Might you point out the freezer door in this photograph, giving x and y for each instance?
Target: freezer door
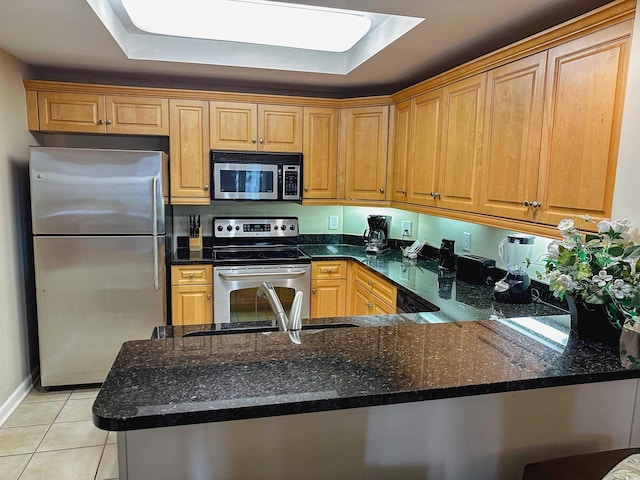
(93, 294)
(96, 192)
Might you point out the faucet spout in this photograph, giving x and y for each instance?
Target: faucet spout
(293, 322)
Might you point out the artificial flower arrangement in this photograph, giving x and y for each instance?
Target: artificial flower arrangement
(600, 268)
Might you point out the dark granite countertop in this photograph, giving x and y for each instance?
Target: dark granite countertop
(196, 379)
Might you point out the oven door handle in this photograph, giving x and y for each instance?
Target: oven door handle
(264, 275)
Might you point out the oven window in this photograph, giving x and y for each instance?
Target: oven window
(246, 307)
(246, 181)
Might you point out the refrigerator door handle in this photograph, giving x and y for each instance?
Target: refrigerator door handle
(154, 199)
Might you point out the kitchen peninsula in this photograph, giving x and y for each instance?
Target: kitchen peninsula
(410, 396)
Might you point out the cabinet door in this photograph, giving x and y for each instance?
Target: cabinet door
(189, 147)
(512, 139)
(320, 153)
(137, 115)
(191, 304)
(583, 111)
(400, 150)
(359, 300)
(234, 126)
(279, 128)
(71, 112)
(461, 143)
(328, 298)
(426, 133)
(381, 308)
(366, 132)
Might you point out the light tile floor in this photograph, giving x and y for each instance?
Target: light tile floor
(51, 436)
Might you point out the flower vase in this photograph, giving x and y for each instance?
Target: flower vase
(590, 321)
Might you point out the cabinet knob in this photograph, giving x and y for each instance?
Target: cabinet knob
(191, 275)
(381, 190)
(206, 187)
(306, 189)
(434, 194)
(100, 122)
(404, 192)
(329, 270)
(313, 290)
(208, 296)
(261, 140)
(253, 140)
(109, 122)
(536, 204)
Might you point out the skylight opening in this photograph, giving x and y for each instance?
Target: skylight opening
(252, 21)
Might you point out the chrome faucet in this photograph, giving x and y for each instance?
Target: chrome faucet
(292, 323)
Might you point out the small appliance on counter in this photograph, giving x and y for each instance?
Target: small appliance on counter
(475, 269)
(515, 287)
(446, 255)
(376, 237)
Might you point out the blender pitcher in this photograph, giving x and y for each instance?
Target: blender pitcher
(515, 287)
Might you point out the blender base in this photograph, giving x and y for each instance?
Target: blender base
(513, 289)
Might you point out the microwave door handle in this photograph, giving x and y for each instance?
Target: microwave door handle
(233, 276)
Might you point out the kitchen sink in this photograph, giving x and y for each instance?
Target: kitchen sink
(258, 329)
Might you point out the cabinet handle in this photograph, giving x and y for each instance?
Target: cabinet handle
(536, 204)
(191, 275)
(434, 194)
(253, 140)
(404, 192)
(206, 187)
(261, 140)
(306, 188)
(381, 190)
(313, 290)
(109, 122)
(208, 296)
(329, 270)
(100, 122)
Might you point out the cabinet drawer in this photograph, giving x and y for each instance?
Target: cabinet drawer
(191, 274)
(329, 269)
(382, 289)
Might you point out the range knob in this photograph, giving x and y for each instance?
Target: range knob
(229, 228)
(237, 227)
(275, 227)
(219, 228)
(292, 227)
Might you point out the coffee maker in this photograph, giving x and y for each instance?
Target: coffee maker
(515, 287)
(376, 237)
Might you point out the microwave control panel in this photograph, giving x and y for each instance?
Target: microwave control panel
(291, 182)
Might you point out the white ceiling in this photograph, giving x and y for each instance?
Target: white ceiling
(64, 40)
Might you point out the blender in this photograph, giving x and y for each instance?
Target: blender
(515, 287)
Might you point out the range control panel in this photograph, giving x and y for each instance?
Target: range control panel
(258, 227)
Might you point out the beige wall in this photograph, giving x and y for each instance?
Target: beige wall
(626, 195)
(16, 301)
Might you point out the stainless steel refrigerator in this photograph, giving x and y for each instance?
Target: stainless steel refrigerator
(99, 250)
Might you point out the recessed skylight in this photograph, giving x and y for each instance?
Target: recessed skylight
(202, 31)
(252, 21)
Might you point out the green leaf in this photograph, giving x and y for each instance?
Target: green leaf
(616, 250)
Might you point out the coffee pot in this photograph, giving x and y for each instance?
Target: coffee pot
(376, 237)
(447, 255)
(515, 287)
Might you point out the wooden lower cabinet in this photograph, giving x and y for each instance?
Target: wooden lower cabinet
(328, 289)
(191, 294)
(369, 293)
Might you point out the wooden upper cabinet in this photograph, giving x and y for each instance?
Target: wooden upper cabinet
(71, 112)
(189, 147)
(399, 151)
(426, 133)
(142, 116)
(513, 119)
(248, 126)
(320, 153)
(461, 154)
(581, 128)
(89, 113)
(366, 137)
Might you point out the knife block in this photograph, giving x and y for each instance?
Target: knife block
(195, 243)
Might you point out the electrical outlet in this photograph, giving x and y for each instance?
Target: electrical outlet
(406, 228)
(333, 222)
(466, 242)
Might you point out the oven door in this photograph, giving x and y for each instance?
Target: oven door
(235, 288)
(245, 181)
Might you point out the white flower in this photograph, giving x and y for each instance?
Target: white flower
(631, 237)
(602, 278)
(567, 228)
(553, 249)
(603, 226)
(566, 282)
(620, 288)
(621, 225)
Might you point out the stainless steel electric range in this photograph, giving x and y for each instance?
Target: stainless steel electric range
(248, 251)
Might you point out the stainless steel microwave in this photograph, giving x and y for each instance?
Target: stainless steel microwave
(256, 176)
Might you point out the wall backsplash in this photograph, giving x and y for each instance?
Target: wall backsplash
(353, 221)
